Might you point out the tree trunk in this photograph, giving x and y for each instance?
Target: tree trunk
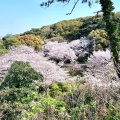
(112, 30)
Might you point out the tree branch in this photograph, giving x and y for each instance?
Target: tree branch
(73, 7)
(97, 13)
(67, 3)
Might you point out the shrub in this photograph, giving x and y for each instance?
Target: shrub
(35, 31)
(75, 73)
(31, 40)
(59, 39)
(2, 48)
(1, 42)
(57, 89)
(11, 41)
(3, 51)
(18, 90)
(101, 39)
(21, 75)
(82, 59)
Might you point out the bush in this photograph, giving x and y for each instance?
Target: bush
(11, 41)
(57, 89)
(1, 42)
(75, 73)
(21, 75)
(2, 48)
(18, 90)
(31, 40)
(59, 39)
(101, 39)
(3, 51)
(82, 59)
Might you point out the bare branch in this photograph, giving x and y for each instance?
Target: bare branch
(97, 13)
(73, 7)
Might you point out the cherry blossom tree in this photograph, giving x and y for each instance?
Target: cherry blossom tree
(111, 23)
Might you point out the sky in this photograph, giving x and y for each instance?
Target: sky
(18, 16)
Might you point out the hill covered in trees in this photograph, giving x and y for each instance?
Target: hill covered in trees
(71, 29)
(68, 30)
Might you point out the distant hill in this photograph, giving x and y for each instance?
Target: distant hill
(70, 29)
(8, 34)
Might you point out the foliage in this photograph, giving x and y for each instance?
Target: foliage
(35, 31)
(3, 50)
(112, 28)
(53, 39)
(82, 59)
(46, 107)
(57, 89)
(21, 75)
(31, 40)
(71, 29)
(82, 102)
(1, 42)
(18, 90)
(85, 103)
(11, 41)
(68, 29)
(48, 101)
(101, 39)
(75, 73)
(74, 29)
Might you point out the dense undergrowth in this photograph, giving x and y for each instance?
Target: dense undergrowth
(23, 99)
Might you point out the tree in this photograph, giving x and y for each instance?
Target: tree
(31, 40)
(111, 24)
(112, 30)
(3, 50)
(101, 39)
(11, 41)
(18, 90)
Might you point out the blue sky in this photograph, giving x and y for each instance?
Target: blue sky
(18, 16)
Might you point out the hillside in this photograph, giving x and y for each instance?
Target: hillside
(71, 29)
(64, 31)
(62, 71)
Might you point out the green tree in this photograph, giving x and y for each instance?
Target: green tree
(35, 31)
(11, 41)
(18, 90)
(1, 42)
(101, 39)
(111, 24)
(112, 30)
(3, 50)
